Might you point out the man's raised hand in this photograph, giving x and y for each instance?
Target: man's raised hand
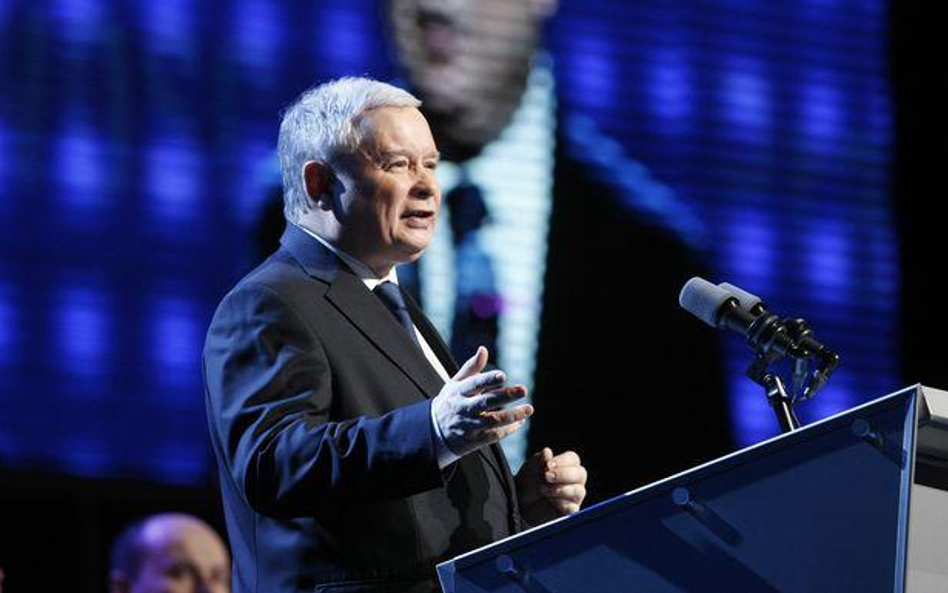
(469, 409)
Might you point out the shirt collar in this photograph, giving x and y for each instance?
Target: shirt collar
(364, 272)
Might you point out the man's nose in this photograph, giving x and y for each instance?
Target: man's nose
(426, 185)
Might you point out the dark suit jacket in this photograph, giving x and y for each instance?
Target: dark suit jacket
(319, 411)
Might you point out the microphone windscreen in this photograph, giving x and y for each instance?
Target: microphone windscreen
(748, 300)
(703, 299)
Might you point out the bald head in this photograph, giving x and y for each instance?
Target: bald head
(170, 553)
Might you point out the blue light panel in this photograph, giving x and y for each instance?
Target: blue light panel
(83, 329)
(79, 21)
(89, 456)
(343, 38)
(821, 118)
(251, 185)
(9, 342)
(174, 178)
(176, 335)
(746, 100)
(7, 200)
(591, 71)
(749, 238)
(178, 463)
(670, 85)
(170, 27)
(258, 29)
(81, 171)
(828, 262)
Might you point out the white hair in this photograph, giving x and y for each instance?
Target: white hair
(321, 124)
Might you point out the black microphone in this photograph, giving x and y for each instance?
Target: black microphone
(797, 328)
(720, 308)
(726, 305)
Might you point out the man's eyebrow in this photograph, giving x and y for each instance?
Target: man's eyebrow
(387, 154)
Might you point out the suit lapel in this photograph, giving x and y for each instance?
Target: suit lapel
(350, 296)
(360, 307)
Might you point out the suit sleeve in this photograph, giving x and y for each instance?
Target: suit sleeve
(269, 394)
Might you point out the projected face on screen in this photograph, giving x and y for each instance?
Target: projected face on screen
(469, 60)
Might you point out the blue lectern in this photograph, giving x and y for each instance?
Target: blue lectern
(853, 503)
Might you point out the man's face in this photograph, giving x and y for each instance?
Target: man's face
(468, 60)
(389, 207)
(183, 557)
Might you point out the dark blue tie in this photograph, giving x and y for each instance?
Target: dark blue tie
(391, 295)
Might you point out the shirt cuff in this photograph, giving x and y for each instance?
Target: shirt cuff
(445, 456)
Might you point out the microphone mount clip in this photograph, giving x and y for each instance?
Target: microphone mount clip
(774, 339)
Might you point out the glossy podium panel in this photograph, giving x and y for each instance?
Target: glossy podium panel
(823, 509)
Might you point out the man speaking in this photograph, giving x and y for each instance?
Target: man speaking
(354, 454)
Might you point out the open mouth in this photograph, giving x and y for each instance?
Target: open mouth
(417, 214)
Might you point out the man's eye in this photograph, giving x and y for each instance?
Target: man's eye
(399, 164)
(179, 571)
(432, 165)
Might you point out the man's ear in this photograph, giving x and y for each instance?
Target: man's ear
(318, 179)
